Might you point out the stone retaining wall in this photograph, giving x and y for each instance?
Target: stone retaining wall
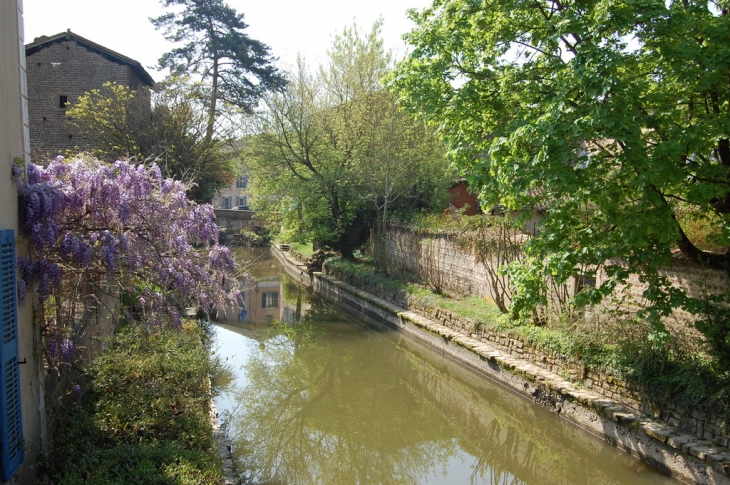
(704, 426)
(459, 269)
(684, 456)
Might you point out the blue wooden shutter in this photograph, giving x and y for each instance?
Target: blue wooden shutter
(11, 426)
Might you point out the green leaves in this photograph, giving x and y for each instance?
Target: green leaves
(145, 417)
(609, 115)
(344, 154)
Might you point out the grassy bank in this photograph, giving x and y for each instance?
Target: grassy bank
(144, 415)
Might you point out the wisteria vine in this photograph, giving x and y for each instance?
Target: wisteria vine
(87, 222)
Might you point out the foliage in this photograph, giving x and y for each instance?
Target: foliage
(703, 229)
(608, 114)
(714, 324)
(342, 153)
(113, 118)
(235, 68)
(118, 122)
(145, 417)
(96, 232)
(305, 249)
(362, 274)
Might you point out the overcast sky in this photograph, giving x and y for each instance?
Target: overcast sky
(287, 26)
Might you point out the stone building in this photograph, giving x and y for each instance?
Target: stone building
(235, 197)
(61, 68)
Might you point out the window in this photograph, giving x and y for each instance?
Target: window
(226, 202)
(270, 299)
(241, 202)
(242, 182)
(63, 101)
(11, 424)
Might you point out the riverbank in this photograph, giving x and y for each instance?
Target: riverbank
(684, 456)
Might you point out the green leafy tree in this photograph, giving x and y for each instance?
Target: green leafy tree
(403, 165)
(118, 123)
(235, 68)
(340, 149)
(111, 119)
(614, 115)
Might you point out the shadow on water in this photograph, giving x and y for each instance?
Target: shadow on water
(322, 398)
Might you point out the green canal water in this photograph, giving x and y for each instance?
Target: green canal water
(316, 396)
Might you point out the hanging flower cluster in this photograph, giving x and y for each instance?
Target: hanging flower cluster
(122, 222)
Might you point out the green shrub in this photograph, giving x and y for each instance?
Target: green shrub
(145, 417)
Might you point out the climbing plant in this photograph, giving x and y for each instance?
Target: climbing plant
(117, 242)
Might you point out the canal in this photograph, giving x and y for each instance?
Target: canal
(316, 396)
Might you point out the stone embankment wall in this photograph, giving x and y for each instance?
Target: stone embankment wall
(554, 381)
(701, 425)
(682, 455)
(458, 269)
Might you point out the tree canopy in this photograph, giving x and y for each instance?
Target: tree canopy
(236, 68)
(337, 150)
(614, 116)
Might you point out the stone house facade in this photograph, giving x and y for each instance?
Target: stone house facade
(61, 68)
(235, 197)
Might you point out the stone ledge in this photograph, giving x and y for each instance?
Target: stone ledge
(661, 433)
(224, 449)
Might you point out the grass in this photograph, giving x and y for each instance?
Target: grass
(305, 249)
(144, 417)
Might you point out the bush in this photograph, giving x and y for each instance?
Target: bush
(145, 417)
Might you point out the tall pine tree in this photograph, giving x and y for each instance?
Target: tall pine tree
(236, 68)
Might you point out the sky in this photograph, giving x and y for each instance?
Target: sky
(287, 26)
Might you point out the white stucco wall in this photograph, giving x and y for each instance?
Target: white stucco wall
(14, 143)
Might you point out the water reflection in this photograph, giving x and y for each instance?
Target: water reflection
(323, 400)
(270, 298)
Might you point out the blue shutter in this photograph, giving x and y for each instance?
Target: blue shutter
(11, 426)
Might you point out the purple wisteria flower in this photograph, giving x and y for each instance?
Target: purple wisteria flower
(61, 349)
(121, 225)
(77, 393)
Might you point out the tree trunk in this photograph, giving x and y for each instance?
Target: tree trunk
(214, 85)
(213, 103)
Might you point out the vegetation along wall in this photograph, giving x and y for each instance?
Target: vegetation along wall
(456, 268)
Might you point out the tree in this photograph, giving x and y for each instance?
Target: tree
(615, 116)
(234, 67)
(339, 147)
(118, 122)
(111, 120)
(403, 165)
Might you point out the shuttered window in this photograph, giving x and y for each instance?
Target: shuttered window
(11, 429)
(270, 299)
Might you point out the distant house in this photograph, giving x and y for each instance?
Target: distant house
(460, 197)
(61, 68)
(235, 197)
